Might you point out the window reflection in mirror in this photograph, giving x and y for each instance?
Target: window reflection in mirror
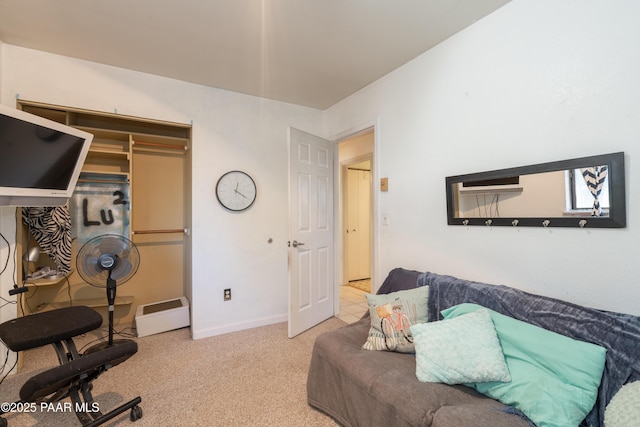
(582, 197)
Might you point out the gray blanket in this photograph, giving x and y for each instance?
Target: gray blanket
(363, 388)
(618, 333)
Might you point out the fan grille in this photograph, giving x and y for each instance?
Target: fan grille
(91, 264)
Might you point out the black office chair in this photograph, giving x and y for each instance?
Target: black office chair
(73, 377)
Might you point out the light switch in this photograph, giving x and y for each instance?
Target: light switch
(384, 184)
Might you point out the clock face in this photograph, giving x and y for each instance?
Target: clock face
(236, 191)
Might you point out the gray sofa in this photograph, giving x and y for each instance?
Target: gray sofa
(357, 387)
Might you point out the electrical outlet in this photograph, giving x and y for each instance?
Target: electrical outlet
(227, 294)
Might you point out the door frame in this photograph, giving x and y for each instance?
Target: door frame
(339, 268)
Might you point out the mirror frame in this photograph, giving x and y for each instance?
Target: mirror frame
(617, 207)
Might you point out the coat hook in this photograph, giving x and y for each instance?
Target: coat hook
(582, 223)
(515, 222)
(546, 223)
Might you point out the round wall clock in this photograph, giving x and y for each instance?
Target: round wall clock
(236, 191)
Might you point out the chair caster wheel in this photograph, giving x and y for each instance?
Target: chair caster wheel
(136, 413)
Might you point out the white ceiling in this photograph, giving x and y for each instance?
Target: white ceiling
(306, 52)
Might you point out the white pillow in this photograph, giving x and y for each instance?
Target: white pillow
(462, 350)
(624, 409)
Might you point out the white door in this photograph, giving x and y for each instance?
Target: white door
(358, 230)
(311, 277)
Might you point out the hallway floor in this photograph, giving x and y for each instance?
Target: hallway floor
(353, 304)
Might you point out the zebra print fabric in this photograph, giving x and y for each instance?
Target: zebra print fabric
(51, 227)
(594, 177)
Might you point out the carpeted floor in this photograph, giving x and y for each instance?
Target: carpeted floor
(255, 377)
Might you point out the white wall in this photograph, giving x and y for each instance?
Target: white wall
(7, 228)
(7, 263)
(230, 131)
(536, 81)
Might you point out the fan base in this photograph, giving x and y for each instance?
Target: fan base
(102, 345)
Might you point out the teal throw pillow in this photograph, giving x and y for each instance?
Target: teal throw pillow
(461, 350)
(392, 316)
(554, 378)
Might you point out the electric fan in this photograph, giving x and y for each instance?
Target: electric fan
(108, 261)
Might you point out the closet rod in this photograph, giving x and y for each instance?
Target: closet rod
(176, 230)
(157, 144)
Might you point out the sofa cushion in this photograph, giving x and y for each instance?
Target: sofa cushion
(380, 388)
(624, 408)
(459, 350)
(555, 379)
(391, 318)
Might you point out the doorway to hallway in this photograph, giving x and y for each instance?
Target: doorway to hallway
(356, 209)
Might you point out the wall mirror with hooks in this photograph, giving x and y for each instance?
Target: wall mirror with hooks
(587, 192)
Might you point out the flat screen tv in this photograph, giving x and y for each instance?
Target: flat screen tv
(40, 160)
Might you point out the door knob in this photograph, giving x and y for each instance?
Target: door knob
(295, 244)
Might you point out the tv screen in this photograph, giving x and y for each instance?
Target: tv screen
(512, 180)
(40, 160)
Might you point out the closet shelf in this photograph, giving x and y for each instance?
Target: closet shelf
(89, 302)
(101, 152)
(48, 281)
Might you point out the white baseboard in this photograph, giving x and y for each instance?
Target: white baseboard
(240, 326)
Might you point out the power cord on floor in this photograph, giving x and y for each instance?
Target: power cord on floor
(4, 365)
